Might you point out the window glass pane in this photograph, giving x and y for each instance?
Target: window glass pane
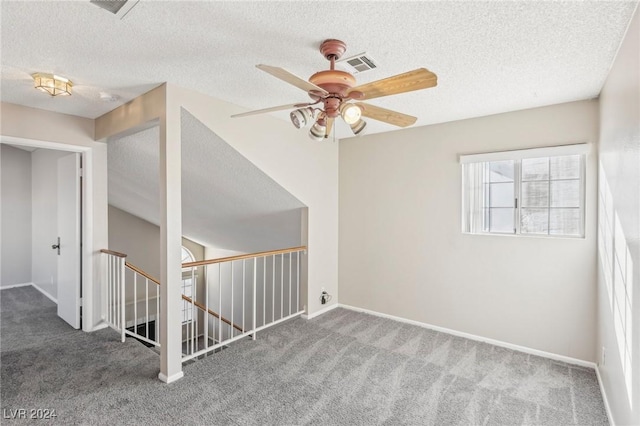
(186, 256)
(501, 171)
(501, 195)
(534, 221)
(565, 167)
(535, 169)
(486, 220)
(564, 222)
(550, 191)
(565, 193)
(485, 195)
(535, 194)
(501, 221)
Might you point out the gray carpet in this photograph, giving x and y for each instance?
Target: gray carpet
(342, 368)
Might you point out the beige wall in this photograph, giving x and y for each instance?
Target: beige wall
(140, 240)
(402, 251)
(619, 232)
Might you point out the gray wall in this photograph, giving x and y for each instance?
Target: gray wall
(619, 232)
(16, 215)
(402, 251)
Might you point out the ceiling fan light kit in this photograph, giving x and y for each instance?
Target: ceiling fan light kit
(52, 84)
(334, 89)
(358, 127)
(301, 117)
(350, 113)
(318, 130)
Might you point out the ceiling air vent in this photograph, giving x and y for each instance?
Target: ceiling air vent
(112, 6)
(357, 64)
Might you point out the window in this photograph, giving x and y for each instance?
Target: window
(188, 277)
(526, 192)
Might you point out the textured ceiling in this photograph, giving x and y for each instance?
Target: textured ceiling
(490, 57)
(227, 201)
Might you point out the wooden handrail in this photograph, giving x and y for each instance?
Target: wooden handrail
(137, 270)
(113, 253)
(215, 314)
(242, 256)
(188, 299)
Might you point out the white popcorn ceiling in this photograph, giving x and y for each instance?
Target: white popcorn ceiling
(490, 57)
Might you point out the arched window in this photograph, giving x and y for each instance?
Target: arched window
(188, 277)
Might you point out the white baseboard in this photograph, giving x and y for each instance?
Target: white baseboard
(172, 378)
(7, 287)
(470, 336)
(34, 285)
(320, 312)
(53, 299)
(607, 407)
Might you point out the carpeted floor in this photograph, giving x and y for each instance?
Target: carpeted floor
(342, 368)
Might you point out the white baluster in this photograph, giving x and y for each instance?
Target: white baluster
(232, 285)
(146, 303)
(253, 327)
(205, 270)
(289, 283)
(123, 324)
(243, 301)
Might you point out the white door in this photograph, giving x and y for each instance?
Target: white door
(69, 252)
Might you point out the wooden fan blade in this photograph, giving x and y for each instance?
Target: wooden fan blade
(418, 79)
(327, 131)
(265, 110)
(386, 115)
(290, 78)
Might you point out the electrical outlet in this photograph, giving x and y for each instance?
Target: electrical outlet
(603, 358)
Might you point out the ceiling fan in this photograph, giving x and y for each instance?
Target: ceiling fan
(335, 90)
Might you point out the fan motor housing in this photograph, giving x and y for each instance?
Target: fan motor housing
(334, 81)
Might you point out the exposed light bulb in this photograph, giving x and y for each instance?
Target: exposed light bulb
(351, 113)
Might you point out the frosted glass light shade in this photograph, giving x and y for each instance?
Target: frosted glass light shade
(52, 84)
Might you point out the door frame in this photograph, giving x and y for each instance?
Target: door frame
(88, 250)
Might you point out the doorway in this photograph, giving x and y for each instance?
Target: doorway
(42, 223)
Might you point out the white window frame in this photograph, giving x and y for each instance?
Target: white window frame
(186, 312)
(517, 156)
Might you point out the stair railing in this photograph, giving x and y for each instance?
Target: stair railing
(114, 309)
(254, 291)
(251, 293)
(132, 299)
